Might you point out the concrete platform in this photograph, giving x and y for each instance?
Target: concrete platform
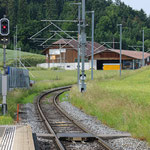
(16, 138)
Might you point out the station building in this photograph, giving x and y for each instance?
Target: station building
(63, 53)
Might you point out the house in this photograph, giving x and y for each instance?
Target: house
(64, 53)
(130, 59)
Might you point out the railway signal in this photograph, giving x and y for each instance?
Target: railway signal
(4, 27)
(4, 32)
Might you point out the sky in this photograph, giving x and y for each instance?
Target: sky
(138, 4)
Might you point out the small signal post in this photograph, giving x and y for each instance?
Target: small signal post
(4, 32)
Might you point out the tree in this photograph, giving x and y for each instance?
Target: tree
(23, 14)
(51, 9)
(12, 12)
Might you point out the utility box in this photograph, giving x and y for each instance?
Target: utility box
(4, 85)
(113, 66)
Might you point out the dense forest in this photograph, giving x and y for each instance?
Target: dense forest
(27, 15)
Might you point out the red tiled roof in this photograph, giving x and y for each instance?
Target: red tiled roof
(133, 54)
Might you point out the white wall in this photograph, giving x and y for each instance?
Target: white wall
(66, 66)
(94, 64)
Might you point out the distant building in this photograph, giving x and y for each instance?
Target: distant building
(130, 59)
(63, 53)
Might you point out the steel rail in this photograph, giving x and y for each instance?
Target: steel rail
(61, 147)
(106, 145)
(66, 88)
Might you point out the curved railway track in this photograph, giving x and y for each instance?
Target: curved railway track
(66, 132)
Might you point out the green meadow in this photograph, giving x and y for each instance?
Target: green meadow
(28, 59)
(44, 79)
(122, 103)
(11, 54)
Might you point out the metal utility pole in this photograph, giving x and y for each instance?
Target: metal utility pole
(92, 51)
(92, 45)
(14, 48)
(83, 44)
(4, 32)
(79, 19)
(120, 47)
(143, 63)
(4, 59)
(19, 56)
(113, 43)
(4, 81)
(79, 29)
(15, 44)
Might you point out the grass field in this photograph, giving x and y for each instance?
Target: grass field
(26, 58)
(46, 79)
(11, 54)
(122, 103)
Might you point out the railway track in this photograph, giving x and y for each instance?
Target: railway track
(66, 132)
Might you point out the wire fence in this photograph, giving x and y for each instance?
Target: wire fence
(17, 78)
(0, 83)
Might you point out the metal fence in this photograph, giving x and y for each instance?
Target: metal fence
(0, 83)
(17, 78)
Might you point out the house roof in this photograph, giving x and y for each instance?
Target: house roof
(74, 44)
(98, 48)
(133, 54)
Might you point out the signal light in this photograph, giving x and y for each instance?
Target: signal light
(4, 26)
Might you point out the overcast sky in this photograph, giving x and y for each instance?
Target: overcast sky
(138, 4)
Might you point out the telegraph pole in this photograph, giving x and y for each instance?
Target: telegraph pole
(143, 63)
(83, 44)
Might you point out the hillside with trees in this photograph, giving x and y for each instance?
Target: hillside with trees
(27, 15)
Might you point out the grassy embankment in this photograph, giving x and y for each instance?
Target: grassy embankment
(121, 103)
(29, 59)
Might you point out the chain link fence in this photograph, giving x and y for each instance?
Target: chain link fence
(17, 78)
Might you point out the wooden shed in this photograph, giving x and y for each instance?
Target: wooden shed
(130, 59)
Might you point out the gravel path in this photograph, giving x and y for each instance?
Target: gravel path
(31, 117)
(98, 128)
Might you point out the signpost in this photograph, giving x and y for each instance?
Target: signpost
(4, 32)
